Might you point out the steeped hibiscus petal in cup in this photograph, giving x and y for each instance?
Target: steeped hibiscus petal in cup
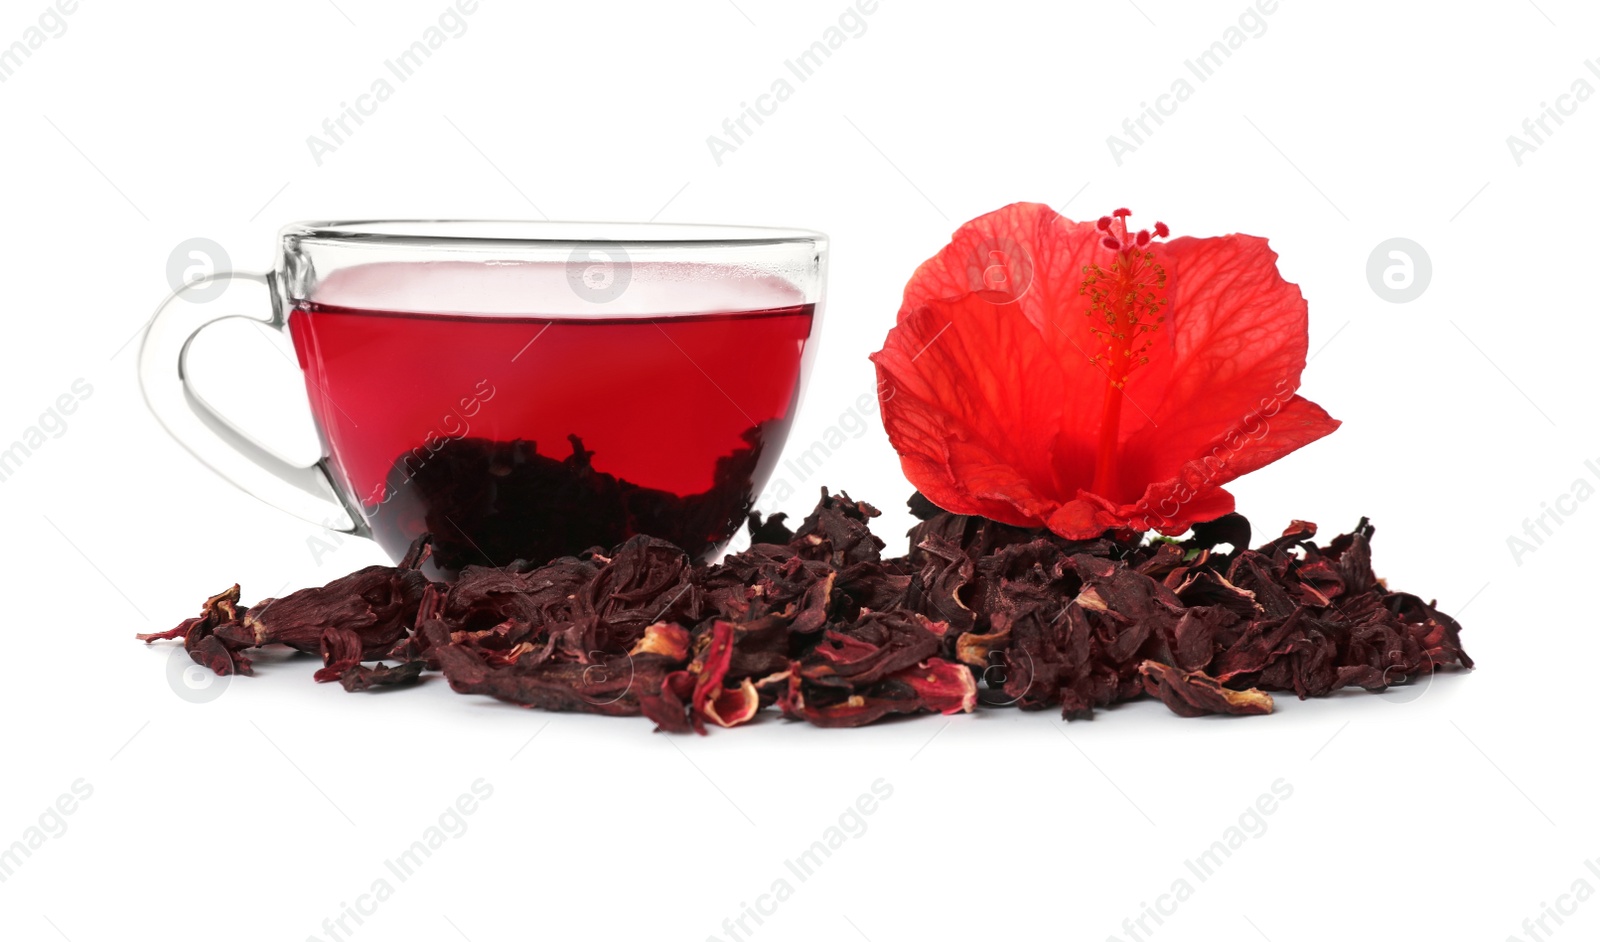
(1085, 377)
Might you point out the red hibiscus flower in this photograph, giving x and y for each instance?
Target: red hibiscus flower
(1083, 377)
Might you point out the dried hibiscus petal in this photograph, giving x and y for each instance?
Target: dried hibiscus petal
(664, 638)
(211, 652)
(709, 667)
(667, 703)
(731, 706)
(362, 677)
(341, 650)
(1194, 693)
(377, 603)
(611, 685)
(942, 686)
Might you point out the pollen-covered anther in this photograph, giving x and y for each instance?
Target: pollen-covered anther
(1128, 295)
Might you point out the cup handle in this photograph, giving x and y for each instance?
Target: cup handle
(306, 492)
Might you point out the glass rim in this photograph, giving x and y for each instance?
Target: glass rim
(543, 232)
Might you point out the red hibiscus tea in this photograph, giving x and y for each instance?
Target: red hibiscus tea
(534, 435)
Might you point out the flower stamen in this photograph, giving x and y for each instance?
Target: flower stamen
(1127, 304)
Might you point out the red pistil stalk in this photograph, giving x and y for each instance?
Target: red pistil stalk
(1128, 299)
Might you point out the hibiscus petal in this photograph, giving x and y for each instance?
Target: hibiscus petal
(970, 399)
(1237, 344)
(1084, 518)
(1173, 505)
(1025, 253)
(1194, 494)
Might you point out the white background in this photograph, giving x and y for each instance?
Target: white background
(1454, 814)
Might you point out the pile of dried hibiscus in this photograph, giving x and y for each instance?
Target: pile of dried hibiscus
(817, 622)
